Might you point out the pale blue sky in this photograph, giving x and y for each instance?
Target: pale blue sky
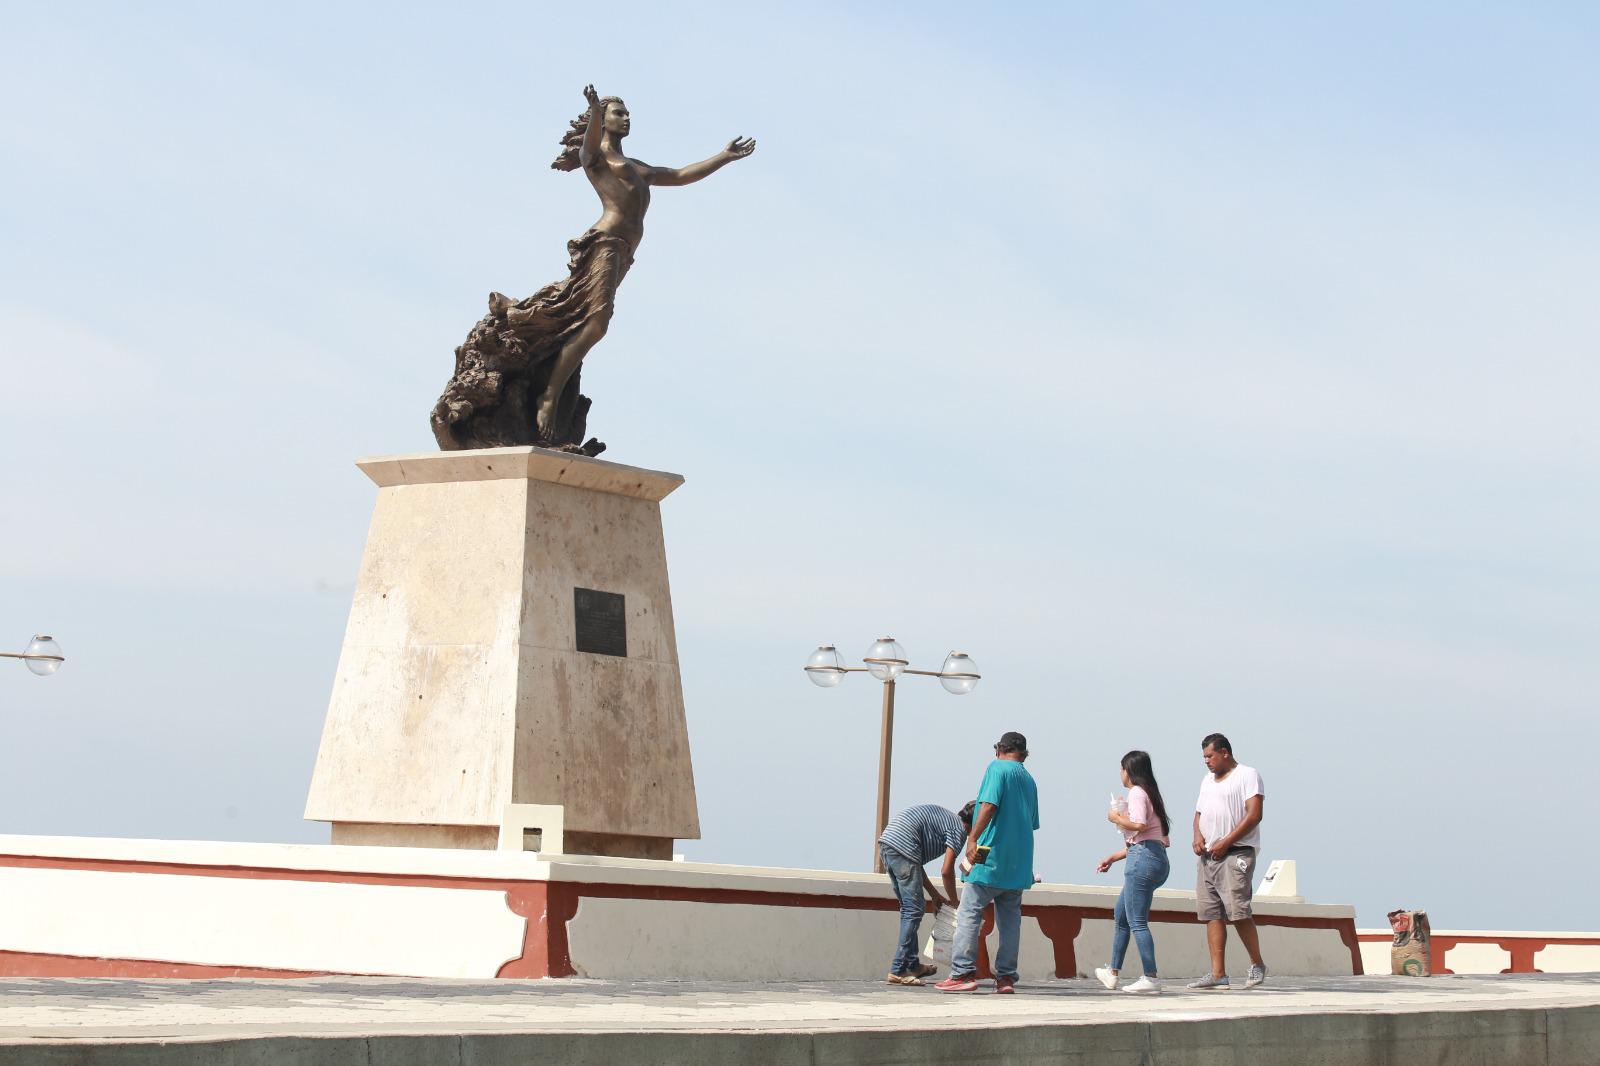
(1193, 367)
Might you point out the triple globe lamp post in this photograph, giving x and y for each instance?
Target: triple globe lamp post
(886, 661)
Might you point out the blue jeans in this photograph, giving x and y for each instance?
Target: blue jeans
(1146, 871)
(906, 876)
(975, 899)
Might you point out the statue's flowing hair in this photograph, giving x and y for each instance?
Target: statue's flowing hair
(568, 159)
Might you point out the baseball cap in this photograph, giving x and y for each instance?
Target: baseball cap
(1011, 741)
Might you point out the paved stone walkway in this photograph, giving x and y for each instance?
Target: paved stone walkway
(109, 1010)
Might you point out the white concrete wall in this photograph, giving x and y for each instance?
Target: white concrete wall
(633, 938)
(272, 924)
(1569, 958)
(1374, 957)
(623, 938)
(271, 919)
(1181, 950)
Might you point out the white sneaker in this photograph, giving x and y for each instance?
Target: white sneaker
(1144, 984)
(1107, 977)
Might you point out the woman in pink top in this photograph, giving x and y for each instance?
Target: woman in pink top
(1144, 830)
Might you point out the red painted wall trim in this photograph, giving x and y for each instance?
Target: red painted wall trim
(1062, 926)
(548, 907)
(1522, 949)
(1347, 933)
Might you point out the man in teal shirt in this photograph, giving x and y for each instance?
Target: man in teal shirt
(1002, 834)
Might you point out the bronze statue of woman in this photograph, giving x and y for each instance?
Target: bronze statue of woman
(516, 376)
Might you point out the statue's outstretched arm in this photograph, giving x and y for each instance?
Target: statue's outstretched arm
(738, 148)
(589, 150)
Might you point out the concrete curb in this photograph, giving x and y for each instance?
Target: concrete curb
(1556, 1036)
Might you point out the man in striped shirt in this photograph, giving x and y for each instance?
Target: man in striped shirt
(912, 839)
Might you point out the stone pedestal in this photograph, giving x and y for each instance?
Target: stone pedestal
(511, 641)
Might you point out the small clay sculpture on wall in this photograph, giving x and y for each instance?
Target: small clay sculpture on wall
(516, 376)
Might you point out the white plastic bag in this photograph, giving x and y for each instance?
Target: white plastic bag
(944, 933)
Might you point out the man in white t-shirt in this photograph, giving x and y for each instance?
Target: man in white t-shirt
(1227, 835)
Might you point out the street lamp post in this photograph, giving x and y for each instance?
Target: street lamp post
(43, 655)
(886, 661)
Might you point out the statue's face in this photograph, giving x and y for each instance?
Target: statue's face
(617, 121)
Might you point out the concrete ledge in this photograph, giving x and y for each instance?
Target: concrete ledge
(1553, 1037)
(1479, 1021)
(574, 869)
(1461, 1038)
(532, 464)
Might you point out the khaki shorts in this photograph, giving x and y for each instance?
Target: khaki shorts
(1222, 890)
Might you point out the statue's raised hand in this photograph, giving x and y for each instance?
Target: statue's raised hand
(740, 147)
(590, 95)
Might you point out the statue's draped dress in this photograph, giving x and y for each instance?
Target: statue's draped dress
(504, 365)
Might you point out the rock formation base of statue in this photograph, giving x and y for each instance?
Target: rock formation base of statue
(502, 369)
(510, 642)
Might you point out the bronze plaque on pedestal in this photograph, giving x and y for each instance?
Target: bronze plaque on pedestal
(602, 622)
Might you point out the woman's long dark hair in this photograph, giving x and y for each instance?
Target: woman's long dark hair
(1137, 764)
